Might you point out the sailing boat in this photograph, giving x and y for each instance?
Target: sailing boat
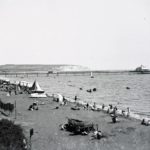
(92, 75)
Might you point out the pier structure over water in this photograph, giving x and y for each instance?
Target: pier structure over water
(50, 73)
(24, 74)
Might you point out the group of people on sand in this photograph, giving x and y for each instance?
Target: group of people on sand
(15, 89)
(90, 90)
(145, 122)
(110, 109)
(33, 106)
(113, 111)
(82, 128)
(60, 99)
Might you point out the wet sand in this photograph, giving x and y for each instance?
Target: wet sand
(128, 134)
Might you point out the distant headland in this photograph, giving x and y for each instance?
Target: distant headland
(41, 68)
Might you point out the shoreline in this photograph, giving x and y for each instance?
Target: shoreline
(106, 108)
(83, 103)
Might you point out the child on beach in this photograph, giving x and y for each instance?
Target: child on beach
(145, 122)
(87, 106)
(75, 98)
(94, 105)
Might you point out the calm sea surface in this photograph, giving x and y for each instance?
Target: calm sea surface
(111, 89)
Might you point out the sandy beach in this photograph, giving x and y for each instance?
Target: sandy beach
(127, 134)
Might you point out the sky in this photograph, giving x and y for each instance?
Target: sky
(99, 34)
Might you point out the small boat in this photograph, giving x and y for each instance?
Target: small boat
(78, 126)
(92, 75)
(38, 95)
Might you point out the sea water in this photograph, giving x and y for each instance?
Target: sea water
(111, 89)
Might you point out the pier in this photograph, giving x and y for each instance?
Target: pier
(49, 73)
(24, 74)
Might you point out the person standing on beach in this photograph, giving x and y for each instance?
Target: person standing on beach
(87, 106)
(9, 92)
(64, 100)
(75, 98)
(31, 132)
(94, 105)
